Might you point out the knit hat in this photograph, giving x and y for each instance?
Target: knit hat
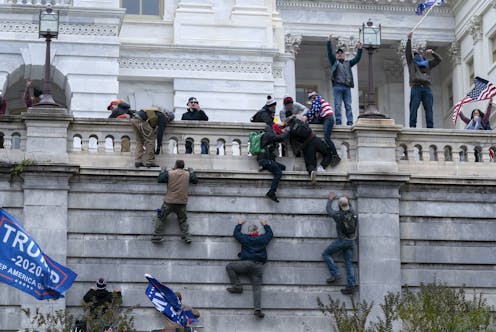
(311, 94)
(252, 228)
(270, 101)
(343, 203)
(288, 100)
(170, 115)
(100, 284)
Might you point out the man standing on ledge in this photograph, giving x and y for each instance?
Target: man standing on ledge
(253, 256)
(419, 69)
(175, 200)
(342, 79)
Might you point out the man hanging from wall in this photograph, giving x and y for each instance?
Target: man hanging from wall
(149, 124)
(346, 228)
(253, 256)
(175, 200)
(342, 79)
(419, 69)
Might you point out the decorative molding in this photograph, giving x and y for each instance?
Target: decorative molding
(454, 53)
(475, 28)
(40, 3)
(277, 72)
(292, 43)
(66, 29)
(196, 65)
(396, 6)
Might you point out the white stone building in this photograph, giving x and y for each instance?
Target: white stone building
(231, 54)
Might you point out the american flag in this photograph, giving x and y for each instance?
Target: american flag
(483, 89)
(426, 4)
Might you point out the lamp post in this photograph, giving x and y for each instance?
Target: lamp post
(370, 36)
(48, 28)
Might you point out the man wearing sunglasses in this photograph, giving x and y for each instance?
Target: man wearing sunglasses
(194, 112)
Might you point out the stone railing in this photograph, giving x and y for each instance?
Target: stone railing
(57, 3)
(224, 146)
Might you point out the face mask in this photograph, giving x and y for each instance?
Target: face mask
(476, 118)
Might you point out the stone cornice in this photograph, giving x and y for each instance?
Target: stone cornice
(396, 6)
(195, 65)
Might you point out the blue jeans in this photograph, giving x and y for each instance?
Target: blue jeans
(275, 168)
(347, 247)
(421, 94)
(328, 123)
(342, 93)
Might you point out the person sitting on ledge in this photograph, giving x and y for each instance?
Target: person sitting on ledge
(37, 95)
(266, 114)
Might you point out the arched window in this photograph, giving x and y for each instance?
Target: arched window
(16, 141)
(109, 144)
(221, 147)
(77, 143)
(448, 153)
(125, 144)
(205, 145)
(417, 152)
(433, 153)
(93, 143)
(236, 147)
(463, 153)
(403, 152)
(189, 145)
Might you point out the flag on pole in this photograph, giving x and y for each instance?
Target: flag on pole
(166, 301)
(427, 4)
(483, 89)
(23, 264)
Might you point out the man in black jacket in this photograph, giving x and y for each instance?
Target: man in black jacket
(99, 297)
(194, 111)
(267, 159)
(266, 114)
(253, 256)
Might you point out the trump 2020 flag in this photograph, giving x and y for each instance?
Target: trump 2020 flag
(23, 264)
(427, 4)
(483, 89)
(167, 302)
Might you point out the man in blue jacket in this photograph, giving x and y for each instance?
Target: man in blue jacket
(253, 256)
(342, 79)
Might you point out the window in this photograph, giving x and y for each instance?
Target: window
(492, 40)
(143, 7)
(470, 71)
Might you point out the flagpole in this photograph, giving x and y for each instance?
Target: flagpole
(423, 18)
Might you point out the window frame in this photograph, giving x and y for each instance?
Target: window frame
(142, 16)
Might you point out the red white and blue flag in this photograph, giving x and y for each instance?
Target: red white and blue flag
(427, 4)
(25, 266)
(483, 89)
(166, 301)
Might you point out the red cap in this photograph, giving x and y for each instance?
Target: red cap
(288, 100)
(112, 103)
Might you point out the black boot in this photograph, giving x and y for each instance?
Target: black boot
(272, 195)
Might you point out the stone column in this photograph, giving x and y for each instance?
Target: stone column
(377, 185)
(46, 130)
(292, 46)
(45, 189)
(479, 60)
(457, 78)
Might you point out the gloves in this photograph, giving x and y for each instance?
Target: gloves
(157, 151)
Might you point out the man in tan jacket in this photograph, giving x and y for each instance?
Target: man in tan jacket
(175, 200)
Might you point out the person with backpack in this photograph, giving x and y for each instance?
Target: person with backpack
(149, 124)
(304, 140)
(266, 114)
(346, 228)
(267, 157)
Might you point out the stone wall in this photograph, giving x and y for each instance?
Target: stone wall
(425, 215)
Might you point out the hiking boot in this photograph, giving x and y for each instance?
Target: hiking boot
(320, 169)
(157, 239)
(348, 290)
(235, 290)
(333, 279)
(335, 160)
(152, 165)
(138, 164)
(259, 313)
(313, 175)
(272, 195)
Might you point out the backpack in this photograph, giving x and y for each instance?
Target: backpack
(349, 222)
(255, 139)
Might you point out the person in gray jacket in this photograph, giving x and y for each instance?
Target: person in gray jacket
(420, 81)
(292, 106)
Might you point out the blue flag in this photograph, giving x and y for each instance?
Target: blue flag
(24, 266)
(166, 301)
(426, 4)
